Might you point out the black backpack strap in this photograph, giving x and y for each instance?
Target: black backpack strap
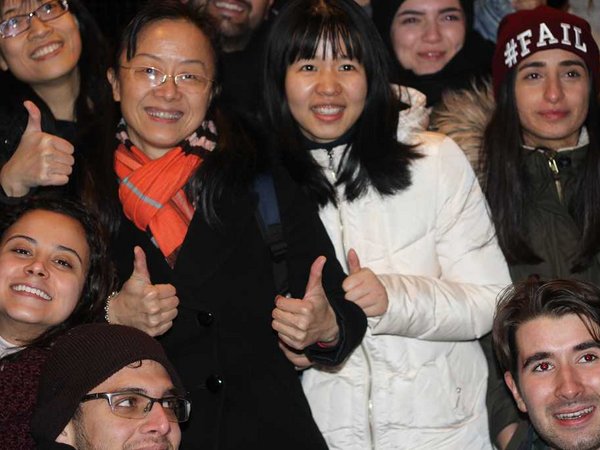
(269, 221)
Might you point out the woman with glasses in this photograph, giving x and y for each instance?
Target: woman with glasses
(54, 274)
(408, 221)
(190, 223)
(56, 103)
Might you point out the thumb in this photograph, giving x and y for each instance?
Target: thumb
(316, 276)
(34, 122)
(353, 261)
(140, 268)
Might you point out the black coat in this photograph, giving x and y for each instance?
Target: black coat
(244, 392)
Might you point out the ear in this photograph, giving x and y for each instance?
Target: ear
(512, 385)
(67, 436)
(113, 79)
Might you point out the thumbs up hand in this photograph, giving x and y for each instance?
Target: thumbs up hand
(364, 288)
(41, 159)
(143, 305)
(302, 322)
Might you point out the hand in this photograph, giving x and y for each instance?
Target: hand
(41, 159)
(302, 322)
(364, 288)
(143, 305)
(299, 360)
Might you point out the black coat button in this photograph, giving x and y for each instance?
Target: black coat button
(214, 383)
(206, 318)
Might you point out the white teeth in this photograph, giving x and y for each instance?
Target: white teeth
(328, 110)
(575, 415)
(41, 52)
(30, 290)
(165, 115)
(229, 6)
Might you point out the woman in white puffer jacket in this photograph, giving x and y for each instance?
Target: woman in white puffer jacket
(426, 268)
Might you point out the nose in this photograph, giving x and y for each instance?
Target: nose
(38, 29)
(432, 32)
(36, 268)
(553, 89)
(168, 90)
(328, 83)
(568, 383)
(157, 421)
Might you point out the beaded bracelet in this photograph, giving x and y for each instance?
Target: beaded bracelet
(112, 295)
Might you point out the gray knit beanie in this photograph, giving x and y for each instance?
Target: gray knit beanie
(82, 359)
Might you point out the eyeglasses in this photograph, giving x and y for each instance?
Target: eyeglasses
(154, 77)
(21, 23)
(133, 405)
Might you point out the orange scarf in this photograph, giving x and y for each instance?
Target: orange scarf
(151, 192)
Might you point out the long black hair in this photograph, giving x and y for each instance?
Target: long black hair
(231, 164)
(100, 277)
(506, 185)
(375, 157)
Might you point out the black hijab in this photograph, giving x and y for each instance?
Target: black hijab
(472, 62)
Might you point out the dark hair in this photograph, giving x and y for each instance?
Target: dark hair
(507, 189)
(93, 109)
(375, 157)
(230, 165)
(100, 277)
(534, 298)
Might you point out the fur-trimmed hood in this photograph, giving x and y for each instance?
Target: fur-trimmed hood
(463, 115)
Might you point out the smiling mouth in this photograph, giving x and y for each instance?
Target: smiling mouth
(46, 50)
(327, 110)
(164, 115)
(234, 7)
(30, 290)
(575, 414)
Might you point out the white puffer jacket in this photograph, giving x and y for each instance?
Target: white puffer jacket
(418, 380)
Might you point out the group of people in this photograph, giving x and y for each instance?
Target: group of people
(246, 230)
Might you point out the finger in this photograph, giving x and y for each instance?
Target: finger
(62, 146)
(353, 261)
(292, 340)
(357, 293)
(165, 290)
(293, 305)
(316, 275)
(289, 331)
(284, 317)
(34, 122)
(54, 180)
(140, 268)
(57, 168)
(168, 304)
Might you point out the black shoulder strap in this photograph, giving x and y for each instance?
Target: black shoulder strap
(269, 221)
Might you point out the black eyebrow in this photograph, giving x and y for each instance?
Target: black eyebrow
(565, 63)
(185, 61)
(539, 356)
(586, 345)
(422, 13)
(33, 241)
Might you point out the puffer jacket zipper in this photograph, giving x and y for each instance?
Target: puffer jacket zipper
(551, 157)
(331, 166)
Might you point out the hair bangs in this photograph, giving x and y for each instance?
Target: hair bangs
(329, 36)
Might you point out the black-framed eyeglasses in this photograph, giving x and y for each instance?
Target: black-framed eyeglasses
(154, 77)
(134, 405)
(16, 25)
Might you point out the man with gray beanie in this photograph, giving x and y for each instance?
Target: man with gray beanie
(110, 387)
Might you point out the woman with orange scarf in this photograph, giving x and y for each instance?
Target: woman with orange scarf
(203, 277)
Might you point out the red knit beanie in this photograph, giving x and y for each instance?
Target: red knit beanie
(526, 32)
